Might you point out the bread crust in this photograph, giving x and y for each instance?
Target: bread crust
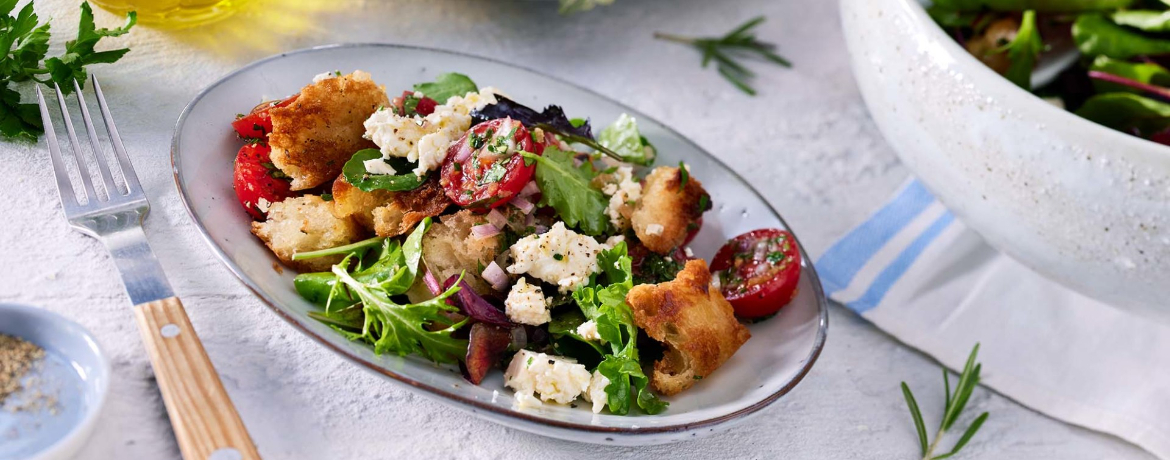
(314, 136)
(695, 324)
(670, 203)
(302, 224)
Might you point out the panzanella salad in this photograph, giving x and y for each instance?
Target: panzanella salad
(1120, 80)
(455, 223)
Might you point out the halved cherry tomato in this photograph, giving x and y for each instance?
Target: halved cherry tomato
(408, 105)
(484, 169)
(758, 271)
(257, 182)
(257, 124)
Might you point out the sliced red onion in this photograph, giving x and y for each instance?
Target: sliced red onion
(497, 218)
(529, 189)
(540, 228)
(484, 231)
(519, 338)
(529, 221)
(496, 276)
(523, 205)
(431, 282)
(475, 306)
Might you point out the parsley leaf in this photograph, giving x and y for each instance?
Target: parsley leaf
(445, 86)
(567, 189)
(80, 53)
(624, 139)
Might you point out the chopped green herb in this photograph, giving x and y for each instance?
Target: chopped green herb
(684, 175)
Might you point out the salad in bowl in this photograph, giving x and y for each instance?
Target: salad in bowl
(454, 223)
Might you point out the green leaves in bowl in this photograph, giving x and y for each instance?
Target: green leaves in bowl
(356, 174)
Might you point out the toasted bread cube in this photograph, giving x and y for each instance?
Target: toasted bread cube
(303, 224)
(313, 137)
(668, 209)
(449, 249)
(695, 324)
(407, 208)
(351, 202)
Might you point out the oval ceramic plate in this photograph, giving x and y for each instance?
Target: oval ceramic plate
(779, 354)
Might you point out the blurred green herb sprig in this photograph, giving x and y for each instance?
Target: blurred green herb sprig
(955, 402)
(725, 51)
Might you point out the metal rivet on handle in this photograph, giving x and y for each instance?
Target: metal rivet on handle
(168, 331)
(226, 453)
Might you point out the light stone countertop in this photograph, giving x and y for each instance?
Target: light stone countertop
(806, 143)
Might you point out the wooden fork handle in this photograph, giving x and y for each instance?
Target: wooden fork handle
(206, 423)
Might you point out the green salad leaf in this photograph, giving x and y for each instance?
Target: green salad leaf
(393, 265)
(1144, 72)
(447, 85)
(604, 302)
(1023, 51)
(1096, 35)
(1127, 112)
(567, 189)
(355, 173)
(1147, 20)
(623, 138)
(1057, 6)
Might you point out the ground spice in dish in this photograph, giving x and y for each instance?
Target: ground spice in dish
(17, 357)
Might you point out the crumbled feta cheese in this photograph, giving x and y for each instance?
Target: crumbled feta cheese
(687, 250)
(555, 378)
(613, 241)
(325, 76)
(526, 304)
(559, 256)
(378, 166)
(263, 204)
(588, 331)
(654, 229)
(596, 391)
(622, 191)
(425, 139)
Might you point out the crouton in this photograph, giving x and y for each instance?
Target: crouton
(669, 209)
(313, 137)
(351, 202)
(303, 224)
(449, 249)
(408, 208)
(696, 325)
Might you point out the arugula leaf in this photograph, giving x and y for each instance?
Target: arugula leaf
(1127, 112)
(1144, 72)
(1023, 51)
(1097, 35)
(445, 86)
(624, 139)
(1147, 20)
(355, 173)
(80, 53)
(564, 324)
(1057, 6)
(567, 189)
(604, 302)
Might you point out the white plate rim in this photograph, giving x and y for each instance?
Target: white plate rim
(807, 266)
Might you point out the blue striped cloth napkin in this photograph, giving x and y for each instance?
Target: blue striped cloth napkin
(916, 272)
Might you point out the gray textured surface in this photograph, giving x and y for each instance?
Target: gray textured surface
(806, 143)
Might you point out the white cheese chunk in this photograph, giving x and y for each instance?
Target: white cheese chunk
(526, 304)
(378, 166)
(554, 378)
(559, 256)
(588, 331)
(654, 229)
(596, 391)
(325, 76)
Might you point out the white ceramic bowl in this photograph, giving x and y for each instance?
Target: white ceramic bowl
(779, 354)
(1078, 202)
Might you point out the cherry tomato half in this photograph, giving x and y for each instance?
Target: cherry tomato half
(484, 169)
(257, 124)
(257, 182)
(758, 271)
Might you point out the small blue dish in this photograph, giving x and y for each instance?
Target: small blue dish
(75, 375)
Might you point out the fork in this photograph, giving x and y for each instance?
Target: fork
(205, 422)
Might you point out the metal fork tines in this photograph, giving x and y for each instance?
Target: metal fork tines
(115, 216)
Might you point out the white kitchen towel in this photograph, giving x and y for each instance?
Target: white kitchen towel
(916, 272)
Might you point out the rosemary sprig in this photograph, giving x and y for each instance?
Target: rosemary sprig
(955, 402)
(740, 42)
